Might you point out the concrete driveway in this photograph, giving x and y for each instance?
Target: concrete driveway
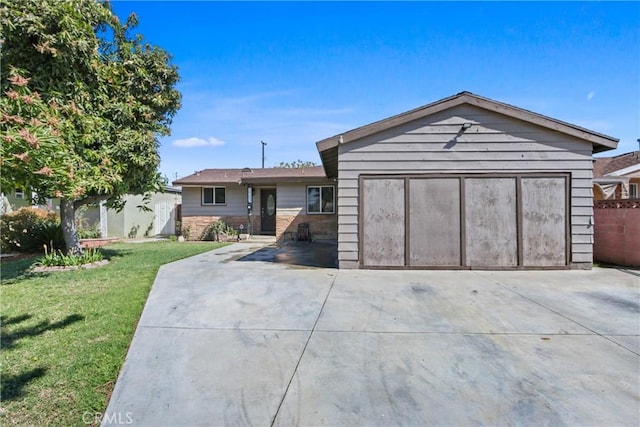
(226, 342)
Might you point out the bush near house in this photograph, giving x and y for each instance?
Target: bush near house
(29, 229)
(89, 233)
(219, 231)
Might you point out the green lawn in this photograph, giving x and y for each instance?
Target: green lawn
(65, 334)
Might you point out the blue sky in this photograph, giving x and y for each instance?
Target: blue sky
(293, 73)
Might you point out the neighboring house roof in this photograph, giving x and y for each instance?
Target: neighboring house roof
(252, 176)
(617, 165)
(170, 189)
(328, 147)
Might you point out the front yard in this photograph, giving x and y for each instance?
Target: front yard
(65, 334)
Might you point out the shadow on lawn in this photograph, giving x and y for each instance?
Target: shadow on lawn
(115, 253)
(14, 271)
(8, 339)
(12, 386)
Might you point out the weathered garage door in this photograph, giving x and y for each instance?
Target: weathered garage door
(464, 221)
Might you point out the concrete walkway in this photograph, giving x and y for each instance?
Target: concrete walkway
(224, 342)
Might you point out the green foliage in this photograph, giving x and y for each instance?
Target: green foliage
(297, 164)
(216, 229)
(83, 102)
(149, 229)
(57, 258)
(133, 233)
(182, 230)
(29, 229)
(89, 233)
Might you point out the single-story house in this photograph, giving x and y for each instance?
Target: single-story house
(270, 201)
(464, 182)
(617, 177)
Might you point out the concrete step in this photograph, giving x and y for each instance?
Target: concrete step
(255, 238)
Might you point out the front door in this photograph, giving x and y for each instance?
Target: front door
(268, 210)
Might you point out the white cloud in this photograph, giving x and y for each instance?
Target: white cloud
(590, 95)
(197, 142)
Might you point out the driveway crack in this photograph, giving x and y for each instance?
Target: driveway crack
(304, 349)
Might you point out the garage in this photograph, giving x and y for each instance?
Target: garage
(464, 221)
(465, 182)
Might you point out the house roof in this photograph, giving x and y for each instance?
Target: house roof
(603, 166)
(252, 176)
(328, 147)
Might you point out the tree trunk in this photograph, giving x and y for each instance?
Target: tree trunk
(67, 220)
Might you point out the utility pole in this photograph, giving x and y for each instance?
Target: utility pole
(263, 144)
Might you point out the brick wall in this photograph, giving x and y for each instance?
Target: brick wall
(198, 224)
(617, 232)
(320, 226)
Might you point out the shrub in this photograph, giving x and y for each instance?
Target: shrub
(57, 258)
(89, 233)
(28, 229)
(216, 229)
(182, 230)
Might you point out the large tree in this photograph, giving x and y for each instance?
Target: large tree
(83, 102)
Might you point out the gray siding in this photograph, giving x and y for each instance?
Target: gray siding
(236, 197)
(292, 197)
(494, 143)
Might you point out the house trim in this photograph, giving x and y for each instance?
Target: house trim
(620, 172)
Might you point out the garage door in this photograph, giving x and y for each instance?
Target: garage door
(464, 221)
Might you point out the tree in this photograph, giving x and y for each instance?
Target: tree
(296, 164)
(83, 105)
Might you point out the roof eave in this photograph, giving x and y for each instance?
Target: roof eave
(275, 181)
(600, 141)
(389, 122)
(610, 180)
(256, 180)
(624, 171)
(207, 183)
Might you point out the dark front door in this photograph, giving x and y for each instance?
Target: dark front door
(268, 211)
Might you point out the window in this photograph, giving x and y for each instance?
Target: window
(214, 196)
(320, 199)
(633, 191)
(19, 193)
